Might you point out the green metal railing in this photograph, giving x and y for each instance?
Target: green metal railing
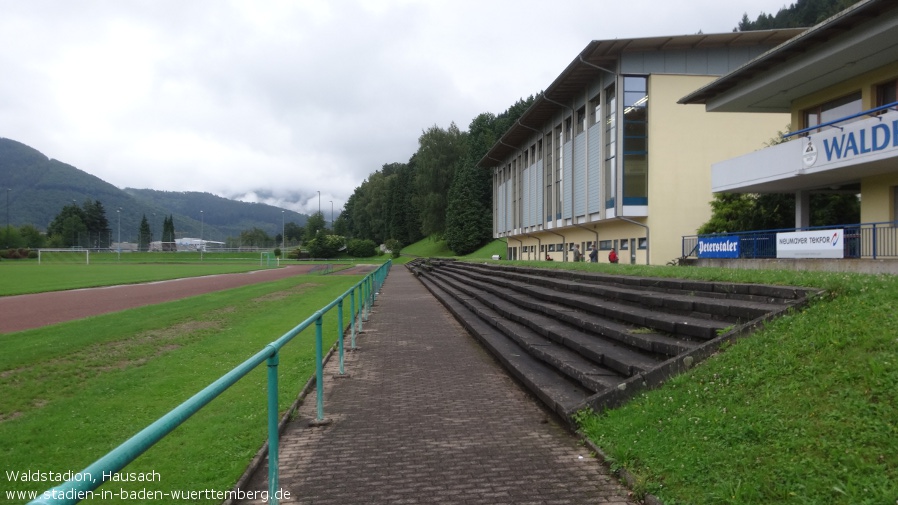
(79, 488)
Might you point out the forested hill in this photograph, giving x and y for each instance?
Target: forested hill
(37, 188)
(229, 216)
(803, 13)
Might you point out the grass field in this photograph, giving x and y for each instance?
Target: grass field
(69, 393)
(27, 276)
(803, 411)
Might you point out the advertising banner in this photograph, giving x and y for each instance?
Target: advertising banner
(724, 246)
(811, 244)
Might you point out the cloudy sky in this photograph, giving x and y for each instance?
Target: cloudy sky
(277, 100)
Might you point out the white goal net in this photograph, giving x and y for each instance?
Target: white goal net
(63, 256)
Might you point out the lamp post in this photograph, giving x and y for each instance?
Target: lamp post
(283, 234)
(202, 225)
(74, 205)
(119, 212)
(7, 216)
(332, 214)
(319, 202)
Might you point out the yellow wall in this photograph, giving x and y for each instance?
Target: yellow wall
(877, 198)
(684, 141)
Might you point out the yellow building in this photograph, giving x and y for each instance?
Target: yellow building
(837, 81)
(607, 157)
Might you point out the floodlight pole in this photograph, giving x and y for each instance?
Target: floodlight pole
(202, 225)
(7, 216)
(119, 212)
(283, 234)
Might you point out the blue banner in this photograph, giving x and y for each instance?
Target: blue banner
(725, 246)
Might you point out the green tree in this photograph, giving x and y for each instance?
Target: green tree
(144, 235)
(361, 248)
(325, 246)
(168, 234)
(256, 237)
(801, 14)
(31, 237)
(68, 229)
(469, 214)
(438, 156)
(293, 232)
(11, 238)
(315, 225)
(98, 230)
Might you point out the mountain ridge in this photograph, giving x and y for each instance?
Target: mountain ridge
(37, 187)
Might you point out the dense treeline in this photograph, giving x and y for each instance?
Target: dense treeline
(801, 14)
(440, 192)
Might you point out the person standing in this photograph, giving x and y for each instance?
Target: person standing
(612, 256)
(593, 254)
(578, 256)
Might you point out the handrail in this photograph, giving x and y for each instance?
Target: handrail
(846, 118)
(78, 488)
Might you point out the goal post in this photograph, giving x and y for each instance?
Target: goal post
(63, 256)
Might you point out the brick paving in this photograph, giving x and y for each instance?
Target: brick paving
(426, 416)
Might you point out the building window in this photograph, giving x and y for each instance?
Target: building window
(833, 110)
(605, 245)
(581, 120)
(886, 93)
(643, 243)
(568, 129)
(595, 110)
(549, 174)
(624, 244)
(559, 161)
(610, 146)
(636, 150)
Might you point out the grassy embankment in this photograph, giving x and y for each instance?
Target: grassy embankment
(803, 411)
(71, 392)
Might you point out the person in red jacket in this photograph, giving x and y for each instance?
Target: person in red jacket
(612, 256)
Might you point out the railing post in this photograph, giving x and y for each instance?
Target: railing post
(352, 314)
(367, 304)
(340, 328)
(319, 366)
(273, 427)
(361, 303)
(874, 241)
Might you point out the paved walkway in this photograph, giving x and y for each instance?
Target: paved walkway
(428, 417)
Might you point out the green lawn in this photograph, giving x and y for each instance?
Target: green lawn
(803, 411)
(23, 278)
(69, 393)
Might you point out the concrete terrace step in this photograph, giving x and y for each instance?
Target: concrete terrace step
(559, 394)
(635, 314)
(627, 349)
(595, 364)
(578, 339)
(704, 302)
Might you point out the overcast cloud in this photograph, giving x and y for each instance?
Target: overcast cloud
(274, 101)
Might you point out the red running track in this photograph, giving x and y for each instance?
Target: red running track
(25, 312)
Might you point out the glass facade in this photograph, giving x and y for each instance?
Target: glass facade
(635, 141)
(610, 147)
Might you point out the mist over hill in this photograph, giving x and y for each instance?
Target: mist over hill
(37, 187)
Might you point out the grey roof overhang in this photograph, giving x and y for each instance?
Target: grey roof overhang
(606, 54)
(858, 39)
